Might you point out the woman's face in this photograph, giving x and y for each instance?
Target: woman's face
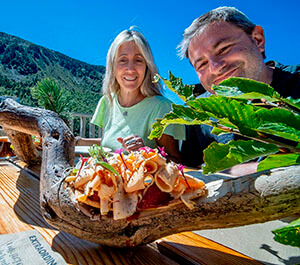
(130, 67)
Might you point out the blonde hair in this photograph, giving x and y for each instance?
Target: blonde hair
(110, 83)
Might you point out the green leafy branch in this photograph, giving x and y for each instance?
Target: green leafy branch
(248, 108)
(244, 107)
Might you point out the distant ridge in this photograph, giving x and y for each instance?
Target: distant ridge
(23, 63)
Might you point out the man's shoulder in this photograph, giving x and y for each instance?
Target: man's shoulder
(286, 79)
(293, 69)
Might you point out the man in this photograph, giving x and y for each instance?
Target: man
(220, 44)
(224, 43)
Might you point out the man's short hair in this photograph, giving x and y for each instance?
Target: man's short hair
(225, 13)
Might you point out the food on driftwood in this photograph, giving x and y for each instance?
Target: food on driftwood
(229, 202)
(123, 185)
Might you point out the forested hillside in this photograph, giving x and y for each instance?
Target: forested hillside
(23, 64)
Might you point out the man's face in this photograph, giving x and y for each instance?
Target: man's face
(222, 50)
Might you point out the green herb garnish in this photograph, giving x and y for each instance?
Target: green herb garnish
(98, 153)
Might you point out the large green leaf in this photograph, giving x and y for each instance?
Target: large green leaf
(288, 235)
(244, 88)
(277, 115)
(179, 115)
(233, 92)
(238, 113)
(157, 130)
(254, 95)
(218, 157)
(238, 85)
(185, 92)
(160, 125)
(292, 102)
(279, 160)
(281, 130)
(186, 113)
(222, 107)
(227, 124)
(279, 122)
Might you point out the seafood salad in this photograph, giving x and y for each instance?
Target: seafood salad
(122, 185)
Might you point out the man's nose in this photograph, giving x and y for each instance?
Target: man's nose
(216, 65)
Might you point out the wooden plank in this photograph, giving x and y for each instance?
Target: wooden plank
(190, 248)
(20, 211)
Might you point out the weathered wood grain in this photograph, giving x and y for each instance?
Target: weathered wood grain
(249, 199)
(20, 211)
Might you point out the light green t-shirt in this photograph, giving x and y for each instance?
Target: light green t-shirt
(117, 121)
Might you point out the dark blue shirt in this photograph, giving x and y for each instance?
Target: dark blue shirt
(286, 79)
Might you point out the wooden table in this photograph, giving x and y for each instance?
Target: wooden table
(20, 211)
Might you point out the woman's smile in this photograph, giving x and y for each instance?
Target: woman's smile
(128, 78)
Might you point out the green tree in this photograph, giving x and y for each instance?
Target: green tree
(51, 96)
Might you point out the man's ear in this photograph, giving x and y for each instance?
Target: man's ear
(258, 36)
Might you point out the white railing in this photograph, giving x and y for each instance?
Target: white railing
(84, 118)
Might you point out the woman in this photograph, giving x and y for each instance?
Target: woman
(131, 101)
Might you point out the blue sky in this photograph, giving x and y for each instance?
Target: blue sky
(85, 29)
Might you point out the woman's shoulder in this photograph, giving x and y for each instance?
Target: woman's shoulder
(105, 99)
(157, 104)
(159, 99)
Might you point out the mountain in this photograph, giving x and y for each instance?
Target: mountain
(23, 64)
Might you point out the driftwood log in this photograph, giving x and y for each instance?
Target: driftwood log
(232, 202)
